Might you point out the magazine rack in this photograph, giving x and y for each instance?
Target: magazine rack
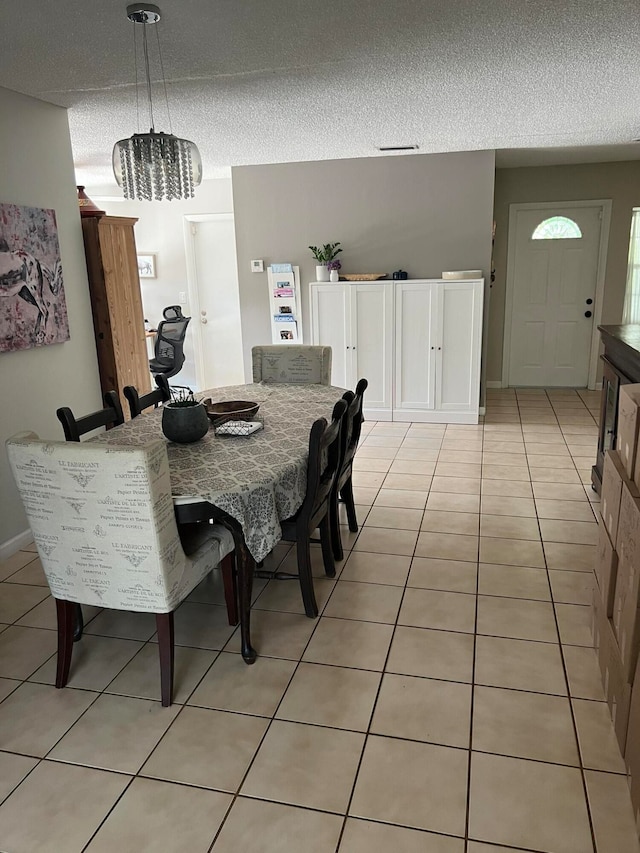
(284, 304)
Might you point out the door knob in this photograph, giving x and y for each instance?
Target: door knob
(587, 313)
(589, 301)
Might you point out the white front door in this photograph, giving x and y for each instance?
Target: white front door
(553, 268)
(215, 301)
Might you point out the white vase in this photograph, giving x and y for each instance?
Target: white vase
(322, 272)
(333, 275)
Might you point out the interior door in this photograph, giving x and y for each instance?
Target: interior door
(416, 332)
(218, 338)
(554, 270)
(330, 313)
(371, 344)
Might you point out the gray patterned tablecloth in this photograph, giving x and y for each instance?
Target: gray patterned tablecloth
(257, 479)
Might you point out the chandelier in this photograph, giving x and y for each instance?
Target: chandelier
(154, 166)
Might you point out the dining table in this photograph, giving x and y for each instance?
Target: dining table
(249, 483)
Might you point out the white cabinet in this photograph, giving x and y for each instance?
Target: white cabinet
(417, 342)
(356, 321)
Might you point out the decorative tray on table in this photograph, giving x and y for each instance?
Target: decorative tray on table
(233, 417)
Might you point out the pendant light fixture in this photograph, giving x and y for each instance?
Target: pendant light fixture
(154, 166)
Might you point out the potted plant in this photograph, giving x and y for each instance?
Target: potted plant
(184, 419)
(324, 255)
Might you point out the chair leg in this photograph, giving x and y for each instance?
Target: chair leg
(347, 496)
(306, 578)
(65, 611)
(230, 581)
(327, 547)
(79, 626)
(164, 624)
(334, 526)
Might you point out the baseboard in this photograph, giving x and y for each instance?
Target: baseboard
(493, 383)
(8, 548)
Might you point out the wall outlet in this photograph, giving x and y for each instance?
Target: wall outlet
(257, 266)
(182, 297)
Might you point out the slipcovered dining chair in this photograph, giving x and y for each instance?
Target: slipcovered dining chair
(138, 404)
(343, 489)
(305, 365)
(103, 523)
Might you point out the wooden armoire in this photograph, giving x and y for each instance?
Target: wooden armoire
(116, 303)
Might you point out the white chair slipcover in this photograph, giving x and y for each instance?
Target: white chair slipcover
(296, 363)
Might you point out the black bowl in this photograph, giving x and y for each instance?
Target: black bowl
(230, 410)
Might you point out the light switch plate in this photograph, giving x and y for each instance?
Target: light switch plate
(257, 266)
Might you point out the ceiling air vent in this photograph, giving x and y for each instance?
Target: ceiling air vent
(397, 147)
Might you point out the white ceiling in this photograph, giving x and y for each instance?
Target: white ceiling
(264, 81)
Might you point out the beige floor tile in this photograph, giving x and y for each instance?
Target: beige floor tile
(231, 685)
(511, 552)
(415, 785)
(116, 733)
(16, 561)
(553, 475)
(414, 466)
(153, 815)
(378, 540)
(123, 624)
(364, 496)
(366, 451)
(277, 635)
(513, 582)
(450, 575)
(211, 589)
(13, 769)
(505, 472)
(401, 498)
(141, 677)
(570, 558)
(390, 569)
(445, 611)
(559, 491)
(542, 449)
(32, 573)
(423, 709)
(330, 696)
(24, 650)
(502, 458)
(519, 665)
(344, 642)
(261, 827)
(498, 505)
(503, 446)
(18, 599)
(516, 618)
(524, 725)
(366, 601)
(413, 482)
(418, 454)
(572, 532)
(509, 527)
(479, 847)
(553, 436)
(285, 595)
(211, 749)
(44, 615)
(574, 624)
(382, 440)
(419, 442)
(542, 805)
(611, 813)
(583, 673)
(35, 716)
(447, 546)
(95, 662)
(396, 517)
(458, 469)
(202, 626)
(431, 654)
(564, 510)
(453, 455)
(290, 562)
(572, 587)
(598, 745)
(443, 521)
(456, 485)
(370, 464)
(507, 488)
(368, 479)
(7, 686)
(306, 766)
(37, 815)
(442, 501)
(364, 836)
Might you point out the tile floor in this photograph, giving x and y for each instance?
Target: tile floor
(446, 701)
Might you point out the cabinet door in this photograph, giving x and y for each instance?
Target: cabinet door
(372, 345)
(330, 326)
(415, 349)
(458, 346)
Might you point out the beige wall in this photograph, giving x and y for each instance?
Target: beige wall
(423, 213)
(619, 182)
(37, 170)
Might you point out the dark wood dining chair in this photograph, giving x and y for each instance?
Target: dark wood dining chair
(343, 489)
(137, 404)
(322, 469)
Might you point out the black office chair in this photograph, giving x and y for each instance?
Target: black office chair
(169, 347)
(138, 404)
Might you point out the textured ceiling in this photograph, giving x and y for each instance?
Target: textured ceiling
(263, 81)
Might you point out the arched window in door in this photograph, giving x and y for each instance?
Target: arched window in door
(557, 228)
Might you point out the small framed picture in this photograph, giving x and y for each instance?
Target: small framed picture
(147, 266)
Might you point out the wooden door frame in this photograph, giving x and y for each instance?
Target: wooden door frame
(605, 205)
(192, 284)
